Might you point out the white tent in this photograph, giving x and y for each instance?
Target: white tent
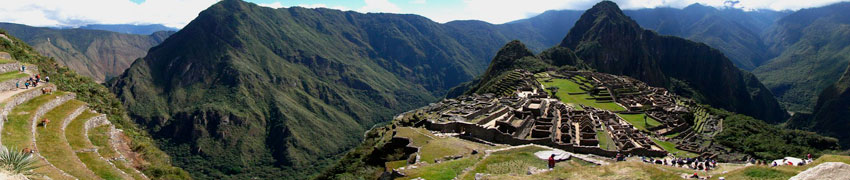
(784, 161)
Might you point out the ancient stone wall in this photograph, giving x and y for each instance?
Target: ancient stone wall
(9, 67)
(19, 99)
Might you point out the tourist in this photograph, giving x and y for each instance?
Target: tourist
(47, 79)
(695, 176)
(552, 162)
(17, 85)
(23, 68)
(37, 77)
(27, 84)
(809, 156)
(774, 164)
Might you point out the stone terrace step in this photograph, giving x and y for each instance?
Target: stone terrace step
(17, 99)
(53, 145)
(18, 131)
(101, 133)
(86, 151)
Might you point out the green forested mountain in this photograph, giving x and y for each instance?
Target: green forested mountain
(830, 115)
(94, 53)
(735, 32)
(814, 49)
(611, 42)
(248, 91)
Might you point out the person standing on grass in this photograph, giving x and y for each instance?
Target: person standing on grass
(552, 162)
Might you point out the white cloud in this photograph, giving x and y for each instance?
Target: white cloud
(272, 5)
(380, 6)
(173, 13)
(417, 2)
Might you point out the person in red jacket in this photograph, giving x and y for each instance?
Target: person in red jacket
(552, 162)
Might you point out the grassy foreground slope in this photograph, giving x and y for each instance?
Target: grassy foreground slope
(156, 163)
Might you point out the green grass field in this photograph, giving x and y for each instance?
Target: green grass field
(605, 141)
(566, 86)
(637, 121)
(671, 148)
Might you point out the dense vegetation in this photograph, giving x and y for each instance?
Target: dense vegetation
(157, 164)
(830, 113)
(765, 141)
(814, 49)
(93, 53)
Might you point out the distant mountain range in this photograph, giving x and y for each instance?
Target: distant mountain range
(93, 53)
(130, 28)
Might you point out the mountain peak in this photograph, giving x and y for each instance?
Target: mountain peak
(603, 18)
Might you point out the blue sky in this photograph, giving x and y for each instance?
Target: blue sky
(178, 13)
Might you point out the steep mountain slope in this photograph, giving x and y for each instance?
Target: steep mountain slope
(815, 49)
(248, 91)
(94, 53)
(734, 32)
(830, 115)
(130, 28)
(138, 147)
(609, 41)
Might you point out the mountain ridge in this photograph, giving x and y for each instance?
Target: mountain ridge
(616, 45)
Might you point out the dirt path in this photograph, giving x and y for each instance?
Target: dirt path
(7, 94)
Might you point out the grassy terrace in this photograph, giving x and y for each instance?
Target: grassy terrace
(605, 141)
(513, 164)
(7, 61)
(99, 137)
(12, 75)
(75, 133)
(17, 131)
(670, 147)
(53, 146)
(433, 147)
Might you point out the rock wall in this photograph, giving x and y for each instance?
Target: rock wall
(495, 136)
(9, 67)
(73, 116)
(19, 99)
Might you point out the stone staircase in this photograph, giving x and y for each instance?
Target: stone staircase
(77, 143)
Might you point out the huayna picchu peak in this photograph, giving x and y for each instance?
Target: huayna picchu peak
(437, 90)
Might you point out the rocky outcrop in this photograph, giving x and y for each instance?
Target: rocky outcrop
(825, 171)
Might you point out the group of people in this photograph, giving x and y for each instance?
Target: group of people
(699, 163)
(32, 81)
